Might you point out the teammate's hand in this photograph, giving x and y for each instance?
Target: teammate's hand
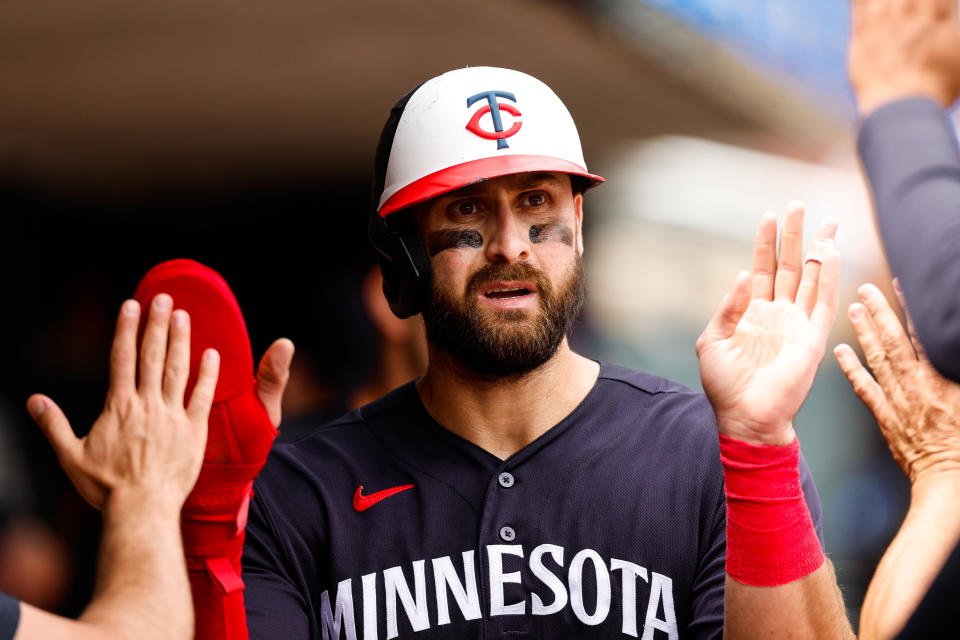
(146, 446)
(917, 409)
(900, 48)
(273, 373)
(760, 352)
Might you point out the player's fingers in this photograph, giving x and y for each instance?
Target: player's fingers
(123, 353)
(873, 350)
(153, 350)
(177, 368)
(201, 399)
(56, 428)
(828, 295)
(911, 328)
(272, 376)
(765, 257)
(823, 242)
(790, 261)
(893, 338)
(860, 379)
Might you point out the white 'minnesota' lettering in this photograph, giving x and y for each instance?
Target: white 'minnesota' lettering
(369, 606)
(548, 578)
(444, 575)
(661, 588)
(341, 618)
(575, 578)
(498, 578)
(330, 622)
(394, 584)
(629, 591)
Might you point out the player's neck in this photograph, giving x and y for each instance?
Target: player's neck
(504, 415)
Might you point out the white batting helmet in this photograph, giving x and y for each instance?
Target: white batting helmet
(454, 130)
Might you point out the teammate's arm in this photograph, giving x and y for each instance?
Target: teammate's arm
(919, 415)
(137, 464)
(904, 65)
(758, 358)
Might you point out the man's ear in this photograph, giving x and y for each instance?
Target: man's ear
(578, 214)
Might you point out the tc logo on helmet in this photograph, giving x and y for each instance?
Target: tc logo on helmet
(494, 108)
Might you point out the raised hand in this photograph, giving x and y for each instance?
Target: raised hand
(918, 410)
(902, 48)
(760, 352)
(146, 444)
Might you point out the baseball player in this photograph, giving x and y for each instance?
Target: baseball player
(137, 465)
(519, 489)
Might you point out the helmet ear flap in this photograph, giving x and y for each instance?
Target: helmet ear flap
(403, 262)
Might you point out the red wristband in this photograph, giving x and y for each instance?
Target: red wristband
(770, 536)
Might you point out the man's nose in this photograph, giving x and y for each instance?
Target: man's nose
(510, 241)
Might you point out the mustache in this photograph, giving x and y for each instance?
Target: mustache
(516, 271)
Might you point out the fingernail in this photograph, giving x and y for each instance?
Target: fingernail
(37, 407)
(793, 205)
(162, 302)
(211, 356)
(856, 311)
(129, 308)
(865, 292)
(179, 318)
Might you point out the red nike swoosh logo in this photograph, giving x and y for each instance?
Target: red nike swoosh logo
(362, 502)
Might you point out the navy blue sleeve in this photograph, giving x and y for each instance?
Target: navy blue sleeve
(910, 156)
(9, 616)
(275, 607)
(813, 499)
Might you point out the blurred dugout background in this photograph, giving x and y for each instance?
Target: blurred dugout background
(242, 135)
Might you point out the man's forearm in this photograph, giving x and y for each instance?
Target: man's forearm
(142, 589)
(811, 607)
(929, 533)
(778, 583)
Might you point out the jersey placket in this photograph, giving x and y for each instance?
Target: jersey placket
(504, 527)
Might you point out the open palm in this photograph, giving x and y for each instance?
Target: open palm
(760, 352)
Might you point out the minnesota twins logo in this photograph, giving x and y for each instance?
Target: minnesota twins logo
(494, 108)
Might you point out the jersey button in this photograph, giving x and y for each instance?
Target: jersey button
(508, 534)
(506, 480)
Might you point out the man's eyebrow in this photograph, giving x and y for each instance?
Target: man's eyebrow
(528, 180)
(463, 192)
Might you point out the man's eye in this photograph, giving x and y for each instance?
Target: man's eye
(535, 200)
(465, 208)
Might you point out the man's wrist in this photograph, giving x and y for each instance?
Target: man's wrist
(776, 434)
(132, 504)
(876, 95)
(941, 480)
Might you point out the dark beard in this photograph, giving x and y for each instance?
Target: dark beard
(506, 344)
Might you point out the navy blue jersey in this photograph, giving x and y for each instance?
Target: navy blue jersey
(9, 616)
(609, 525)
